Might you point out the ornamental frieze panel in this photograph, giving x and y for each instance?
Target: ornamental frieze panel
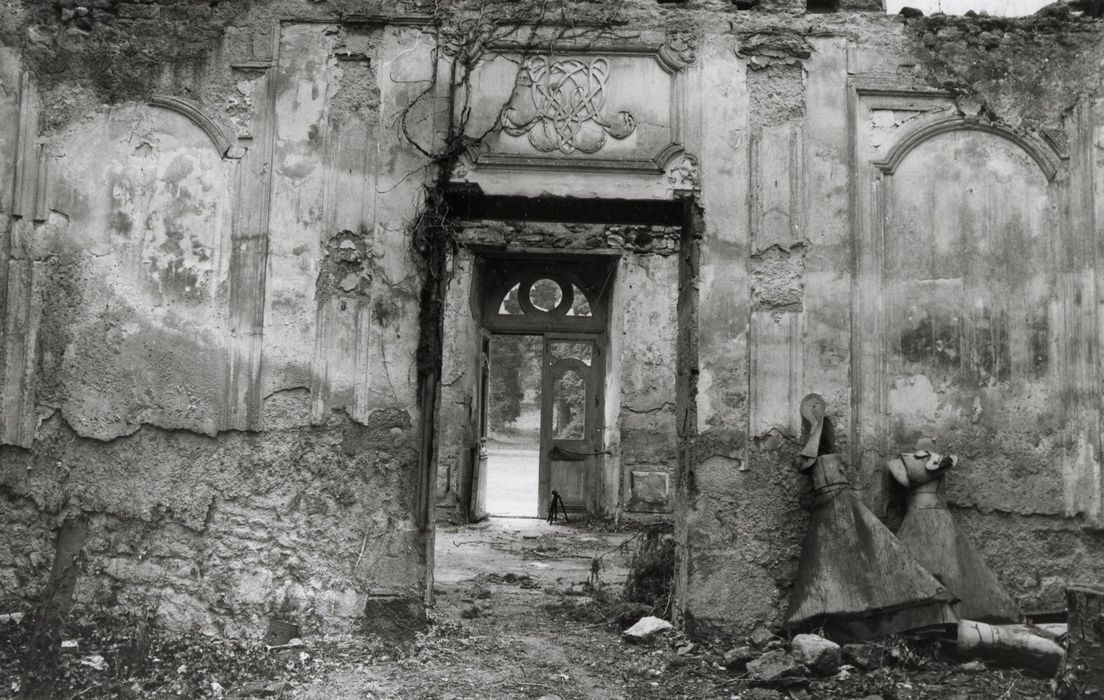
(595, 106)
(561, 106)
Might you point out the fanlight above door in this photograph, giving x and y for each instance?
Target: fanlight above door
(537, 296)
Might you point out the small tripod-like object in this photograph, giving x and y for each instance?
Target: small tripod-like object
(557, 502)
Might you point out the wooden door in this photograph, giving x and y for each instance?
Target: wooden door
(478, 508)
(568, 421)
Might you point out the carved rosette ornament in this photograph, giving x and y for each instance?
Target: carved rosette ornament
(560, 104)
(682, 173)
(679, 50)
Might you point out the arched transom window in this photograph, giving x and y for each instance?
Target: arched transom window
(545, 295)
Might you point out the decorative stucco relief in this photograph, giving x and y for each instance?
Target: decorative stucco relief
(682, 173)
(614, 108)
(561, 105)
(679, 50)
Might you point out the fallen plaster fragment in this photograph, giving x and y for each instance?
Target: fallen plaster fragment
(647, 629)
(1015, 645)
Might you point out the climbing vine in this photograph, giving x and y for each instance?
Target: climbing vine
(463, 39)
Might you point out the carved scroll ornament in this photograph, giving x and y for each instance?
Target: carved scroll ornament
(560, 104)
(682, 172)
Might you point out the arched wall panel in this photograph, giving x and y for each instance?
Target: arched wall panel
(141, 225)
(970, 314)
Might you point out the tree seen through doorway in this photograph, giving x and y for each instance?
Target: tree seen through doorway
(516, 363)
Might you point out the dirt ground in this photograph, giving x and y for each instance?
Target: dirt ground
(521, 612)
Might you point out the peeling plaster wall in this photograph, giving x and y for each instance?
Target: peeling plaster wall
(136, 252)
(646, 292)
(210, 318)
(221, 533)
(811, 295)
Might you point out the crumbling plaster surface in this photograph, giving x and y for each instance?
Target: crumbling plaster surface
(459, 380)
(136, 251)
(156, 239)
(219, 534)
(973, 293)
(1035, 557)
(647, 290)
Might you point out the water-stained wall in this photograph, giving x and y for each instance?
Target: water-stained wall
(926, 268)
(210, 326)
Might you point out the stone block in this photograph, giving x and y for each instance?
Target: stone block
(774, 666)
(818, 653)
(649, 490)
(865, 657)
(646, 630)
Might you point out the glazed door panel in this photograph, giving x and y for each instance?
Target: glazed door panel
(568, 420)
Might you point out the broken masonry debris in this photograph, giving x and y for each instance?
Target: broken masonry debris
(865, 657)
(817, 653)
(760, 636)
(855, 578)
(1013, 645)
(737, 658)
(647, 629)
(932, 537)
(776, 666)
(1082, 671)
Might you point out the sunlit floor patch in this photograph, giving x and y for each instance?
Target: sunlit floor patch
(512, 476)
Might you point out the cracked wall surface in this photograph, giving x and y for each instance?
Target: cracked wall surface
(810, 287)
(210, 313)
(221, 534)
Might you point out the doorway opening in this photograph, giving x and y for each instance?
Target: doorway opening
(522, 419)
(539, 393)
(514, 425)
(540, 423)
(558, 375)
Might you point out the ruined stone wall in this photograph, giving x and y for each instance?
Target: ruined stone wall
(926, 273)
(210, 310)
